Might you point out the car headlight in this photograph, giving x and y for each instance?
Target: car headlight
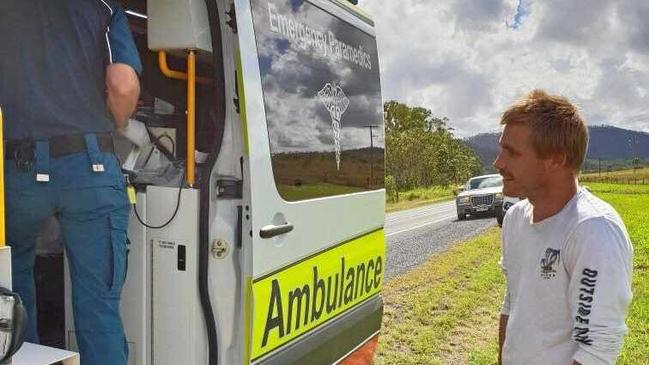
(499, 196)
(464, 200)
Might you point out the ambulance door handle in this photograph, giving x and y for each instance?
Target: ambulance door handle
(272, 230)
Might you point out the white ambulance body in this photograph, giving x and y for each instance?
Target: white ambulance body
(273, 252)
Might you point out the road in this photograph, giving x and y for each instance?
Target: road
(413, 235)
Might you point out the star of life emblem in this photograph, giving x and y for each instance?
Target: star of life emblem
(336, 102)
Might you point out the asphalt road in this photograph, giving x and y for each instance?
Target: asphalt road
(413, 235)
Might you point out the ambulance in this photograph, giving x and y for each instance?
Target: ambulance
(256, 235)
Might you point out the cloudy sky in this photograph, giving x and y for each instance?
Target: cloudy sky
(469, 59)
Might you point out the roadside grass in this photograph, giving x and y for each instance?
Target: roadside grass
(419, 197)
(442, 310)
(446, 310)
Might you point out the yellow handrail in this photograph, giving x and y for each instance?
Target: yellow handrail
(2, 185)
(174, 74)
(191, 79)
(191, 117)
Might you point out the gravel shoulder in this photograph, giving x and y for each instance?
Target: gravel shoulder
(414, 235)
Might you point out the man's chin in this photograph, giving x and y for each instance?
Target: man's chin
(510, 190)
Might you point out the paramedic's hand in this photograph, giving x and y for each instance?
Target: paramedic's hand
(136, 132)
(123, 92)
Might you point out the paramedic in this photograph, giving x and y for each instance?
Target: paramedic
(68, 79)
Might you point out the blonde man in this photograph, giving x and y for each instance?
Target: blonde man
(566, 255)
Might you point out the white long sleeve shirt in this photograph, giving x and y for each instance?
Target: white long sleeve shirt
(568, 284)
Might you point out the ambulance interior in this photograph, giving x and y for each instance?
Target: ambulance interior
(163, 105)
(161, 161)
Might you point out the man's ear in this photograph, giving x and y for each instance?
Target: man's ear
(557, 161)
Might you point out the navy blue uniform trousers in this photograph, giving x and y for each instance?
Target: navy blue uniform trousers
(92, 209)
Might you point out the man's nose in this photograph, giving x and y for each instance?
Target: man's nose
(498, 162)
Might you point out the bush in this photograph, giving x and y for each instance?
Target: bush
(413, 196)
(391, 188)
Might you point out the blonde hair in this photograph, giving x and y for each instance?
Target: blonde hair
(556, 126)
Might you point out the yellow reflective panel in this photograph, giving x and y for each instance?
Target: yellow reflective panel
(305, 295)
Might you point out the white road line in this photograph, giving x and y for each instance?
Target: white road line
(419, 226)
(428, 209)
(415, 216)
(419, 220)
(419, 213)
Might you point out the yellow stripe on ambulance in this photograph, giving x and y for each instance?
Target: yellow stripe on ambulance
(303, 296)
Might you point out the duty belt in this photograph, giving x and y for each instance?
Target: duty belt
(37, 153)
(58, 146)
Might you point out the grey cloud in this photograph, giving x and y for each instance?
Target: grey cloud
(483, 14)
(638, 122)
(421, 70)
(449, 57)
(561, 65)
(326, 138)
(635, 14)
(622, 88)
(289, 140)
(465, 91)
(575, 22)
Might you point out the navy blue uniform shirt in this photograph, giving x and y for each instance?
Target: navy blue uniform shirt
(53, 58)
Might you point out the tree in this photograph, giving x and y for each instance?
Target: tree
(421, 149)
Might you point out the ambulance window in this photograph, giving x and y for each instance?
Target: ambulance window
(322, 96)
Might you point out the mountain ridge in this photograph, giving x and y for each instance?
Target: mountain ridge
(615, 147)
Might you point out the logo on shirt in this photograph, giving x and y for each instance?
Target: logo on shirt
(549, 263)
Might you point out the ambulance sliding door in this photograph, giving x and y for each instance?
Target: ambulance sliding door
(315, 250)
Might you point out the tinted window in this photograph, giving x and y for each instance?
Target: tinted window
(320, 79)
